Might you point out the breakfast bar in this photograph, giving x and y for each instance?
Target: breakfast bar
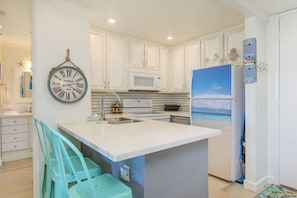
(169, 159)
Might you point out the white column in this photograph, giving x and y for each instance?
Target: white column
(57, 26)
(256, 112)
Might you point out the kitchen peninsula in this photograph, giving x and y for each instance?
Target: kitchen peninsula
(165, 159)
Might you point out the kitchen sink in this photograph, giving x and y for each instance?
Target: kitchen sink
(122, 120)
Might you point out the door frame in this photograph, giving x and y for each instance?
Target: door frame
(273, 52)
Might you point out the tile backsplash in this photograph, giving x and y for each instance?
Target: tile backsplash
(159, 100)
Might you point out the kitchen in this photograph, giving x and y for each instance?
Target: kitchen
(81, 57)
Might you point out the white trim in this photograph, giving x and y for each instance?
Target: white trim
(17, 155)
(274, 98)
(273, 102)
(256, 186)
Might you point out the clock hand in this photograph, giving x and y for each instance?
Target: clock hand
(75, 89)
(69, 84)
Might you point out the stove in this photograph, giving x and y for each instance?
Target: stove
(143, 108)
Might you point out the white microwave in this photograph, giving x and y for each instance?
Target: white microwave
(144, 81)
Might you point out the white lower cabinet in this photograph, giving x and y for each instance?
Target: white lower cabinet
(16, 133)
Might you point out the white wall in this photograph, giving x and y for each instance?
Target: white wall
(11, 55)
(256, 113)
(57, 26)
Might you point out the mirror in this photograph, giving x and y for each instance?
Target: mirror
(25, 85)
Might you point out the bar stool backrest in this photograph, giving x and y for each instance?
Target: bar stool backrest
(63, 159)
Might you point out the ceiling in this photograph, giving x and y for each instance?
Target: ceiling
(16, 21)
(151, 20)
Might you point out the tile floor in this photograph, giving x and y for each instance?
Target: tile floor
(16, 182)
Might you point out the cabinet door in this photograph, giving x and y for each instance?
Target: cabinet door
(164, 56)
(177, 77)
(233, 46)
(212, 50)
(97, 60)
(192, 60)
(152, 56)
(136, 54)
(116, 63)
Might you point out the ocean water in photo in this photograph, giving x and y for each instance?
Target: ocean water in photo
(212, 120)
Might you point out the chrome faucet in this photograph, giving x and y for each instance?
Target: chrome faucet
(102, 112)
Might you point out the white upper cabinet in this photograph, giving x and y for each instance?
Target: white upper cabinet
(152, 56)
(192, 59)
(233, 46)
(184, 58)
(117, 61)
(144, 55)
(177, 70)
(108, 62)
(164, 61)
(98, 60)
(136, 54)
(212, 50)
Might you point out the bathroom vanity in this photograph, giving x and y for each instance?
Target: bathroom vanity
(15, 136)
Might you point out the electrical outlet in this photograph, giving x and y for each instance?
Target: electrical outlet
(125, 173)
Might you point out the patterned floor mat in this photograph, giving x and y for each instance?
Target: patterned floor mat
(275, 191)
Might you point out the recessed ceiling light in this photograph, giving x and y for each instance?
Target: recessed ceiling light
(169, 37)
(112, 21)
(0, 26)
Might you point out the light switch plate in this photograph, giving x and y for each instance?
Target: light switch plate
(250, 51)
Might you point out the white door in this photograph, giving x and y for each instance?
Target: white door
(288, 95)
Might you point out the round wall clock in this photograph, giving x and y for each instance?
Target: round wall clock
(67, 84)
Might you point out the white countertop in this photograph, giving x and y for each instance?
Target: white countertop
(11, 115)
(123, 141)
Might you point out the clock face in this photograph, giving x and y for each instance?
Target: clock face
(67, 84)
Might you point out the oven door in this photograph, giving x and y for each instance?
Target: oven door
(160, 117)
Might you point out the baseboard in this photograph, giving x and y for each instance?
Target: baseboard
(16, 155)
(256, 186)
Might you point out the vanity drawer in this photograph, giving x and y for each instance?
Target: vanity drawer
(14, 137)
(14, 121)
(14, 146)
(14, 129)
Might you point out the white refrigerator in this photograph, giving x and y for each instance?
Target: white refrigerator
(217, 101)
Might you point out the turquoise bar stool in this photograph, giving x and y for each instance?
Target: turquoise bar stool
(51, 176)
(103, 186)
